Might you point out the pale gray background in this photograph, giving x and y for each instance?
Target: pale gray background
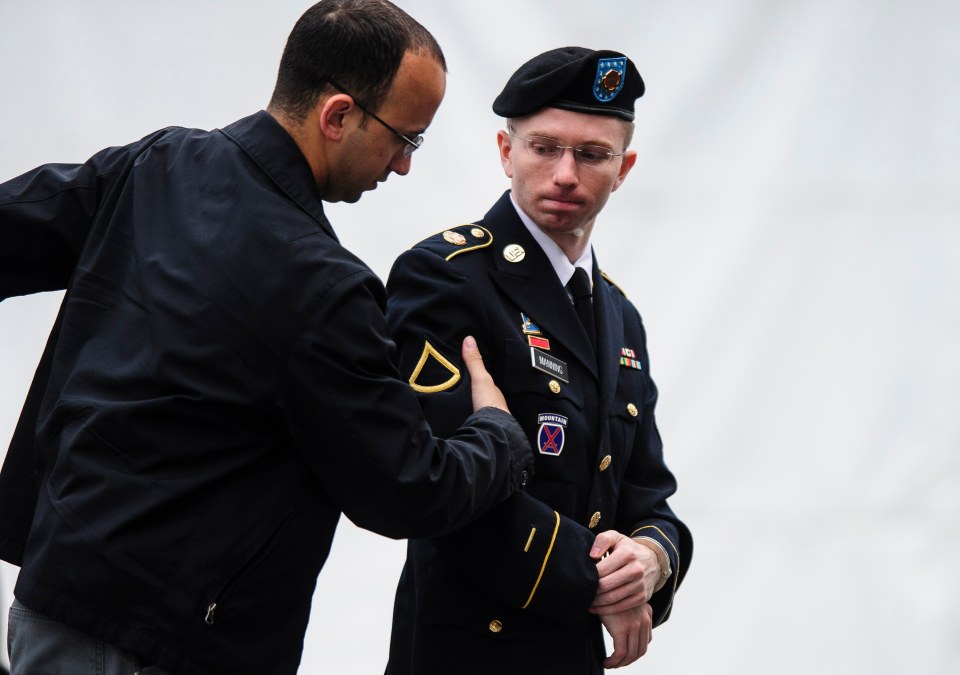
(791, 234)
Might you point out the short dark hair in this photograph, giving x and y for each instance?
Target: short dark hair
(357, 43)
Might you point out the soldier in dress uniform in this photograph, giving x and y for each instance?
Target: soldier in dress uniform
(591, 540)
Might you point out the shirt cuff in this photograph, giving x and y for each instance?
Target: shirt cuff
(657, 547)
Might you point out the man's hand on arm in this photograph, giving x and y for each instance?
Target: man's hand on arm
(485, 392)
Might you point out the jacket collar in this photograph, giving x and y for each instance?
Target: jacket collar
(609, 316)
(270, 146)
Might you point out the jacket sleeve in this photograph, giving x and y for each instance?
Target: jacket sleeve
(361, 429)
(523, 554)
(47, 213)
(526, 555)
(642, 509)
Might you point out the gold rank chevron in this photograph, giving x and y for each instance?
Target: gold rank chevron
(429, 352)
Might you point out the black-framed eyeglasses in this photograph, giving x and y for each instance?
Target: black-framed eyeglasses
(411, 143)
(548, 149)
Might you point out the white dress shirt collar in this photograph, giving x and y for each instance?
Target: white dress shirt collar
(561, 265)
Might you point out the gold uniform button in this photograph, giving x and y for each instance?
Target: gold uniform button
(496, 626)
(605, 463)
(594, 520)
(632, 409)
(554, 386)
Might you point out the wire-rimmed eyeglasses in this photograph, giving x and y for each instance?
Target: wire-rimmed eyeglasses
(548, 149)
(411, 143)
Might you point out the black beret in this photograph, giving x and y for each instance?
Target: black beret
(598, 82)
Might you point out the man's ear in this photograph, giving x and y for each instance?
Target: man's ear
(332, 112)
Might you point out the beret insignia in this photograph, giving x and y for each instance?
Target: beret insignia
(609, 82)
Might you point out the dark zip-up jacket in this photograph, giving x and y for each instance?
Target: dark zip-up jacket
(219, 386)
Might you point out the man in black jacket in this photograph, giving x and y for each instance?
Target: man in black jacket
(220, 383)
(591, 539)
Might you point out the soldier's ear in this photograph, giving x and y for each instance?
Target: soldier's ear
(626, 163)
(504, 142)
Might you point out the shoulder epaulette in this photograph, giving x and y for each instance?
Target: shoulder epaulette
(456, 240)
(612, 283)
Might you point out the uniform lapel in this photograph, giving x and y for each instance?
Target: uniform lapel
(533, 285)
(609, 313)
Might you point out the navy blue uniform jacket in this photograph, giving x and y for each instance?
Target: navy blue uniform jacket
(220, 385)
(509, 594)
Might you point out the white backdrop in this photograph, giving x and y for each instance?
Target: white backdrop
(791, 234)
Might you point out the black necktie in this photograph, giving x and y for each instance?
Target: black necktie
(579, 287)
